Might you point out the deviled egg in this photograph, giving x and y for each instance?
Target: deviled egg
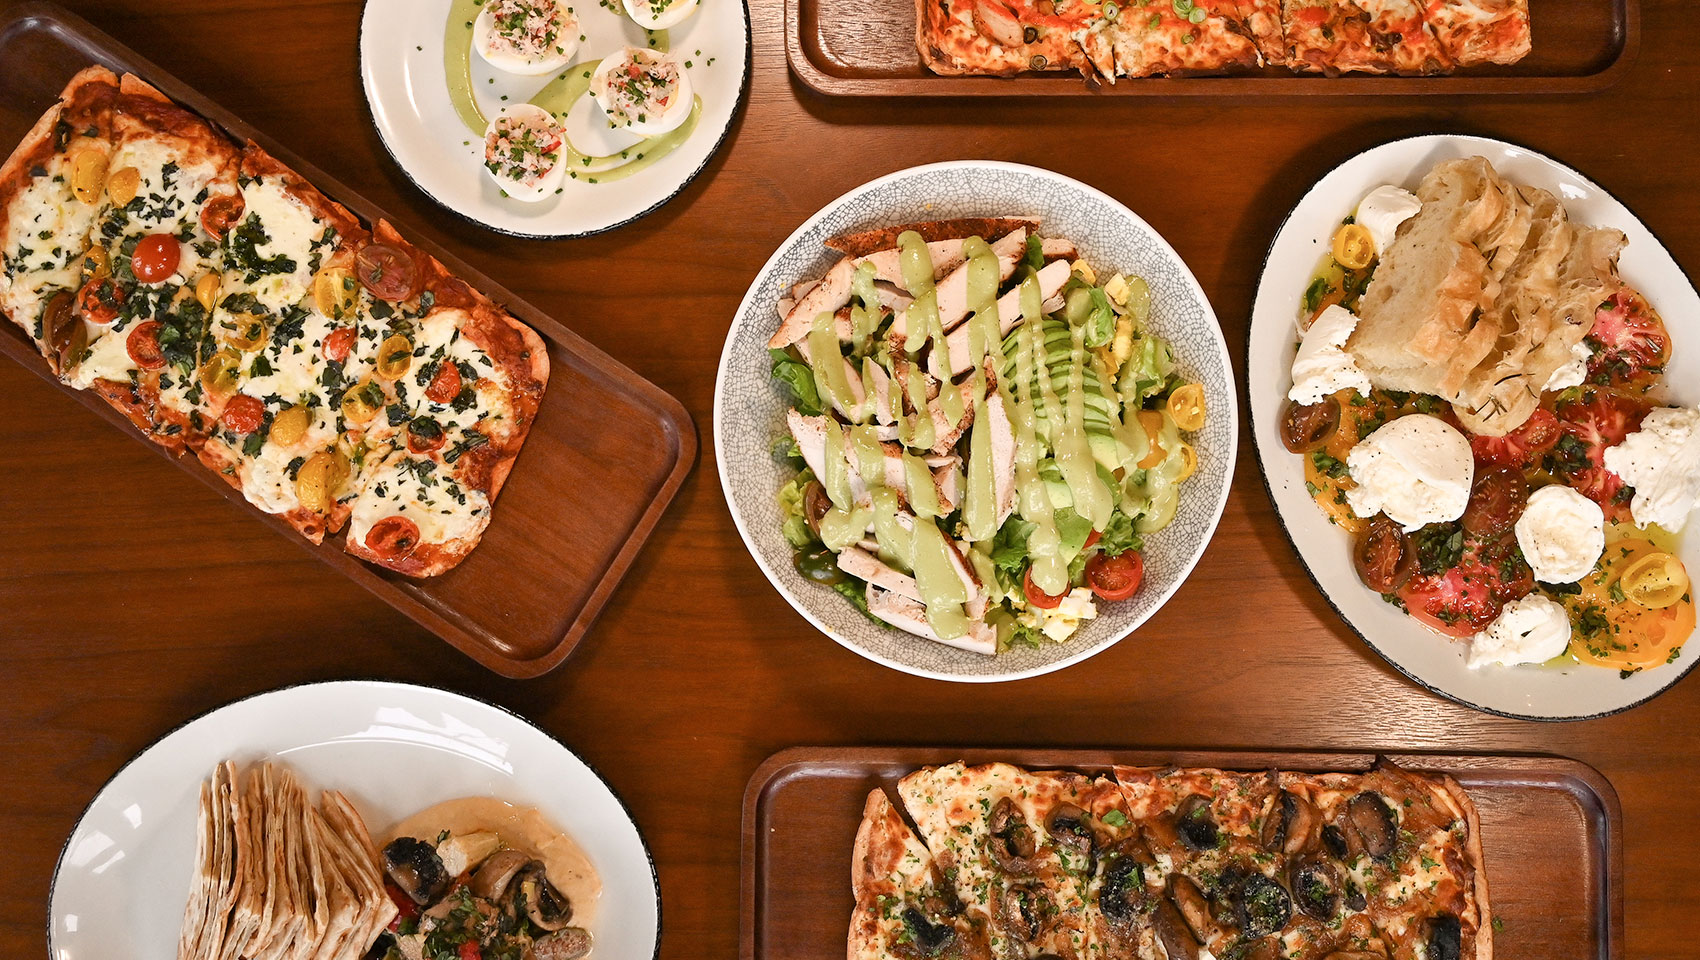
(524, 152)
(643, 91)
(659, 14)
(526, 37)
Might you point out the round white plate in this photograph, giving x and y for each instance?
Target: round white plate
(1530, 692)
(401, 70)
(749, 409)
(123, 877)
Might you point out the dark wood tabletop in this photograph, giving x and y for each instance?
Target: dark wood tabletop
(133, 597)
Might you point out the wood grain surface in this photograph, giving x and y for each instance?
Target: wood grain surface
(132, 597)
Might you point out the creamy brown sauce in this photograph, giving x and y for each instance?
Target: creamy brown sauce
(521, 828)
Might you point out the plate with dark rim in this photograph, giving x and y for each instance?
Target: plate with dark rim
(606, 444)
(122, 879)
(1563, 691)
(404, 76)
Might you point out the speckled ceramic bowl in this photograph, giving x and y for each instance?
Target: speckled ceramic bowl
(749, 409)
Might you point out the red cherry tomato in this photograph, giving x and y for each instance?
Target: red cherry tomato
(392, 538)
(338, 343)
(469, 951)
(406, 909)
(387, 271)
(156, 257)
(219, 214)
(143, 345)
(445, 386)
(1497, 499)
(243, 414)
(1117, 577)
(1522, 447)
(100, 299)
(1037, 597)
(1384, 555)
(424, 435)
(1091, 539)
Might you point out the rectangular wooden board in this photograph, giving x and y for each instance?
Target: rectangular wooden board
(862, 49)
(605, 456)
(1551, 835)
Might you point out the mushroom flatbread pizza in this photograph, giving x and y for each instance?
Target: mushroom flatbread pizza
(332, 372)
(1384, 864)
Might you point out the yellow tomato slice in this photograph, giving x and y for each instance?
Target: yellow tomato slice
(1152, 421)
(1354, 248)
(1186, 405)
(1189, 461)
(1612, 631)
(1655, 581)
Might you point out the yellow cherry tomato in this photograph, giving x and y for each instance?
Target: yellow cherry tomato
(289, 426)
(335, 292)
(1655, 581)
(1354, 248)
(220, 372)
(88, 175)
(206, 290)
(97, 263)
(320, 479)
(244, 331)
(1152, 421)
(1186, 405)
(362, 402)
(1189, 461)
(395, 355)
(122, 184)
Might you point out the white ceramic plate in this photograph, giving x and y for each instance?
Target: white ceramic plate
(1531, 692)
(401, 70)
(123, 877)
(749, 409)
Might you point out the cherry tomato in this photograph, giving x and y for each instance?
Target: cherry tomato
(1354, 247)
(1092, 538)
(1384, 555)
(1629, 340)
(1591, 424)
(1497, 499)
(1308, 427)
(244, 414)
(387, 271)
(469, 951)
(156, 257)
(100, 299)
(221, 213)
(1117, 577)
(393, 538)
(445, 384)
(424, 435)
(406, 909)
(143, 345)
(1523, 447)
(1037, 597)
(338, 343)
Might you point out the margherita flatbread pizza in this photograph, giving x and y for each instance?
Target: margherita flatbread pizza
(336, 375)
(1171, 863)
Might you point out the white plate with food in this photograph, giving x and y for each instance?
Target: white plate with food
(929, 500)
(318, 820)
(1472, 392)
(544, 118)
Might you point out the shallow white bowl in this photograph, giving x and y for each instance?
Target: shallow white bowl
(749, 409)
(401, 71)
(1531, 692)
(393, 748)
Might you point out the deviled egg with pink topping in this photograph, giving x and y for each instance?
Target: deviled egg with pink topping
(524, 152)
(642, 91)
(526, 37)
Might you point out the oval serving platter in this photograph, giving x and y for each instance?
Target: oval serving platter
(749, 409)
(1569, 692)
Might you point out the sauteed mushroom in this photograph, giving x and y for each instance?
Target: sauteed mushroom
(1269, 948)
(413, 865)
(568, 943)
(1123, 891)
(1018, 909)
(1335, 840)
(1445, 938)
(497, 871)
(1178, 942)
(1262, 906)
(1012, 845)
(1194, 824)
(1290, 826)
(1316, 887)
(926, 938)
(1355, 897)
(1372, 819)
(1193, 905)
(1069, 831)
(548, 908)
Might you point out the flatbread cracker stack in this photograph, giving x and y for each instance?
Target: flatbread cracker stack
(277, 878)
(1483, 295)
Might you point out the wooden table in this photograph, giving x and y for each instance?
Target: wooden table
(132, 597)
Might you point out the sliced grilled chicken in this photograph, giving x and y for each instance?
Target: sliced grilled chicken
(952, 291)
(828, 296)
(1050, 278)
(910, 616)
(810, 434)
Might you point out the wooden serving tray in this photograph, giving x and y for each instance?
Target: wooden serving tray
(605, 456)
(1551, 835)
(867, 49)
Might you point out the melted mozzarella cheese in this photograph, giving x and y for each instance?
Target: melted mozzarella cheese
(1661, 461)
(1322, 366)
(44, 236)
(108, 358)
(265, 478)
(1417, 469)
(291, 231)
(421, 491)
(1561, 534)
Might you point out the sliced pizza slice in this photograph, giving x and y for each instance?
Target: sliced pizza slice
(1001, 37)
(1262, 19)
(1474, 32)
(1182, 38)
(50, 189)
(1365, 36)
(904, 908)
